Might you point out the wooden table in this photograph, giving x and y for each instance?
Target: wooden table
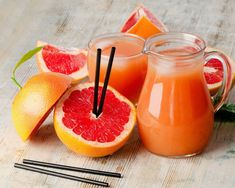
(73, 23)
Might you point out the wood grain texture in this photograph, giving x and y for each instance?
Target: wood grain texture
(74, 23)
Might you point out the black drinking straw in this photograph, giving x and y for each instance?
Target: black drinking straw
(97, 77)
(106, 81)
(60, 175)
(71, 168)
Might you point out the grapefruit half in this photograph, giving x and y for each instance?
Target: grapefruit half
(68, 61)
(35, 100)
(79, 129)
(213, 72)
(143, 23)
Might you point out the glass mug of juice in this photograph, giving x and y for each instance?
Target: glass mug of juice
(175, 111)
(129, 64)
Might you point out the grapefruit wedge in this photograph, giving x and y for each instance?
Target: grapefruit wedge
(68, 61)
(143, 23)
(35, 100)
(213, 72)
(80, 130)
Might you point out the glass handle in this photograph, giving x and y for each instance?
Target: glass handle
(219, 98)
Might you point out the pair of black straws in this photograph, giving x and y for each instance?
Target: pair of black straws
(30, 166)
(97, 110)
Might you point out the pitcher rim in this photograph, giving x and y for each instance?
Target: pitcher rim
(172, 34)
(114, 34)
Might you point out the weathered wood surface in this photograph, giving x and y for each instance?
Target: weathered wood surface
(73, 23)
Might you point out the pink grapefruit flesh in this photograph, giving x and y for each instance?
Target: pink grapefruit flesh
(68, 61)
(213, 71)
(103, 129)
(59, 60)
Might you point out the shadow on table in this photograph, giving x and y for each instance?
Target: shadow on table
(45, 134)
(224, 116)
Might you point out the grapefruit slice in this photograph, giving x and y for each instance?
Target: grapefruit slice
(35, 100)
(143, 23)
(213, 72)
(80, 130)
(68, 61)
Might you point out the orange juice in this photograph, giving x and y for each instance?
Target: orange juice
(129, 65)
(175, 112)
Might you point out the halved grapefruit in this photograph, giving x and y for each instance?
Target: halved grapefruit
(68, 61)
(80, 130)
(35, 100)
(143, 23)
(213, 71)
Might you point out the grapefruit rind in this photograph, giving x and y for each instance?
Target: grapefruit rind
(33, 103)
(91, 148)
(77, 76)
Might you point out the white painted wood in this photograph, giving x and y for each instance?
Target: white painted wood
(73, 23)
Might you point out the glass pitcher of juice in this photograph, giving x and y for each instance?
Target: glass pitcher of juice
(175, 111)
(129, 64)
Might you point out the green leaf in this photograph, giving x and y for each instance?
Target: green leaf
(228, 107)
(25, 57)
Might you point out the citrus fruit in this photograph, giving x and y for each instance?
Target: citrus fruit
(213, 71)
(33, 103)
(69, 61)
(143, 23)
(80, 130)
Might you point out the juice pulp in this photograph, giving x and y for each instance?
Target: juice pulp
(175, 113)
(128, 70)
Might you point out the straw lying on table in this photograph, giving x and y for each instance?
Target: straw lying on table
(60, 175)
(71, 168)
(30, 166)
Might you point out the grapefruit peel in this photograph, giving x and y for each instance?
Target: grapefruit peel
(35, 100)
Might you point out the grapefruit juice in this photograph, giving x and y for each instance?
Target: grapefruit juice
(129, 65)
(175, 113)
